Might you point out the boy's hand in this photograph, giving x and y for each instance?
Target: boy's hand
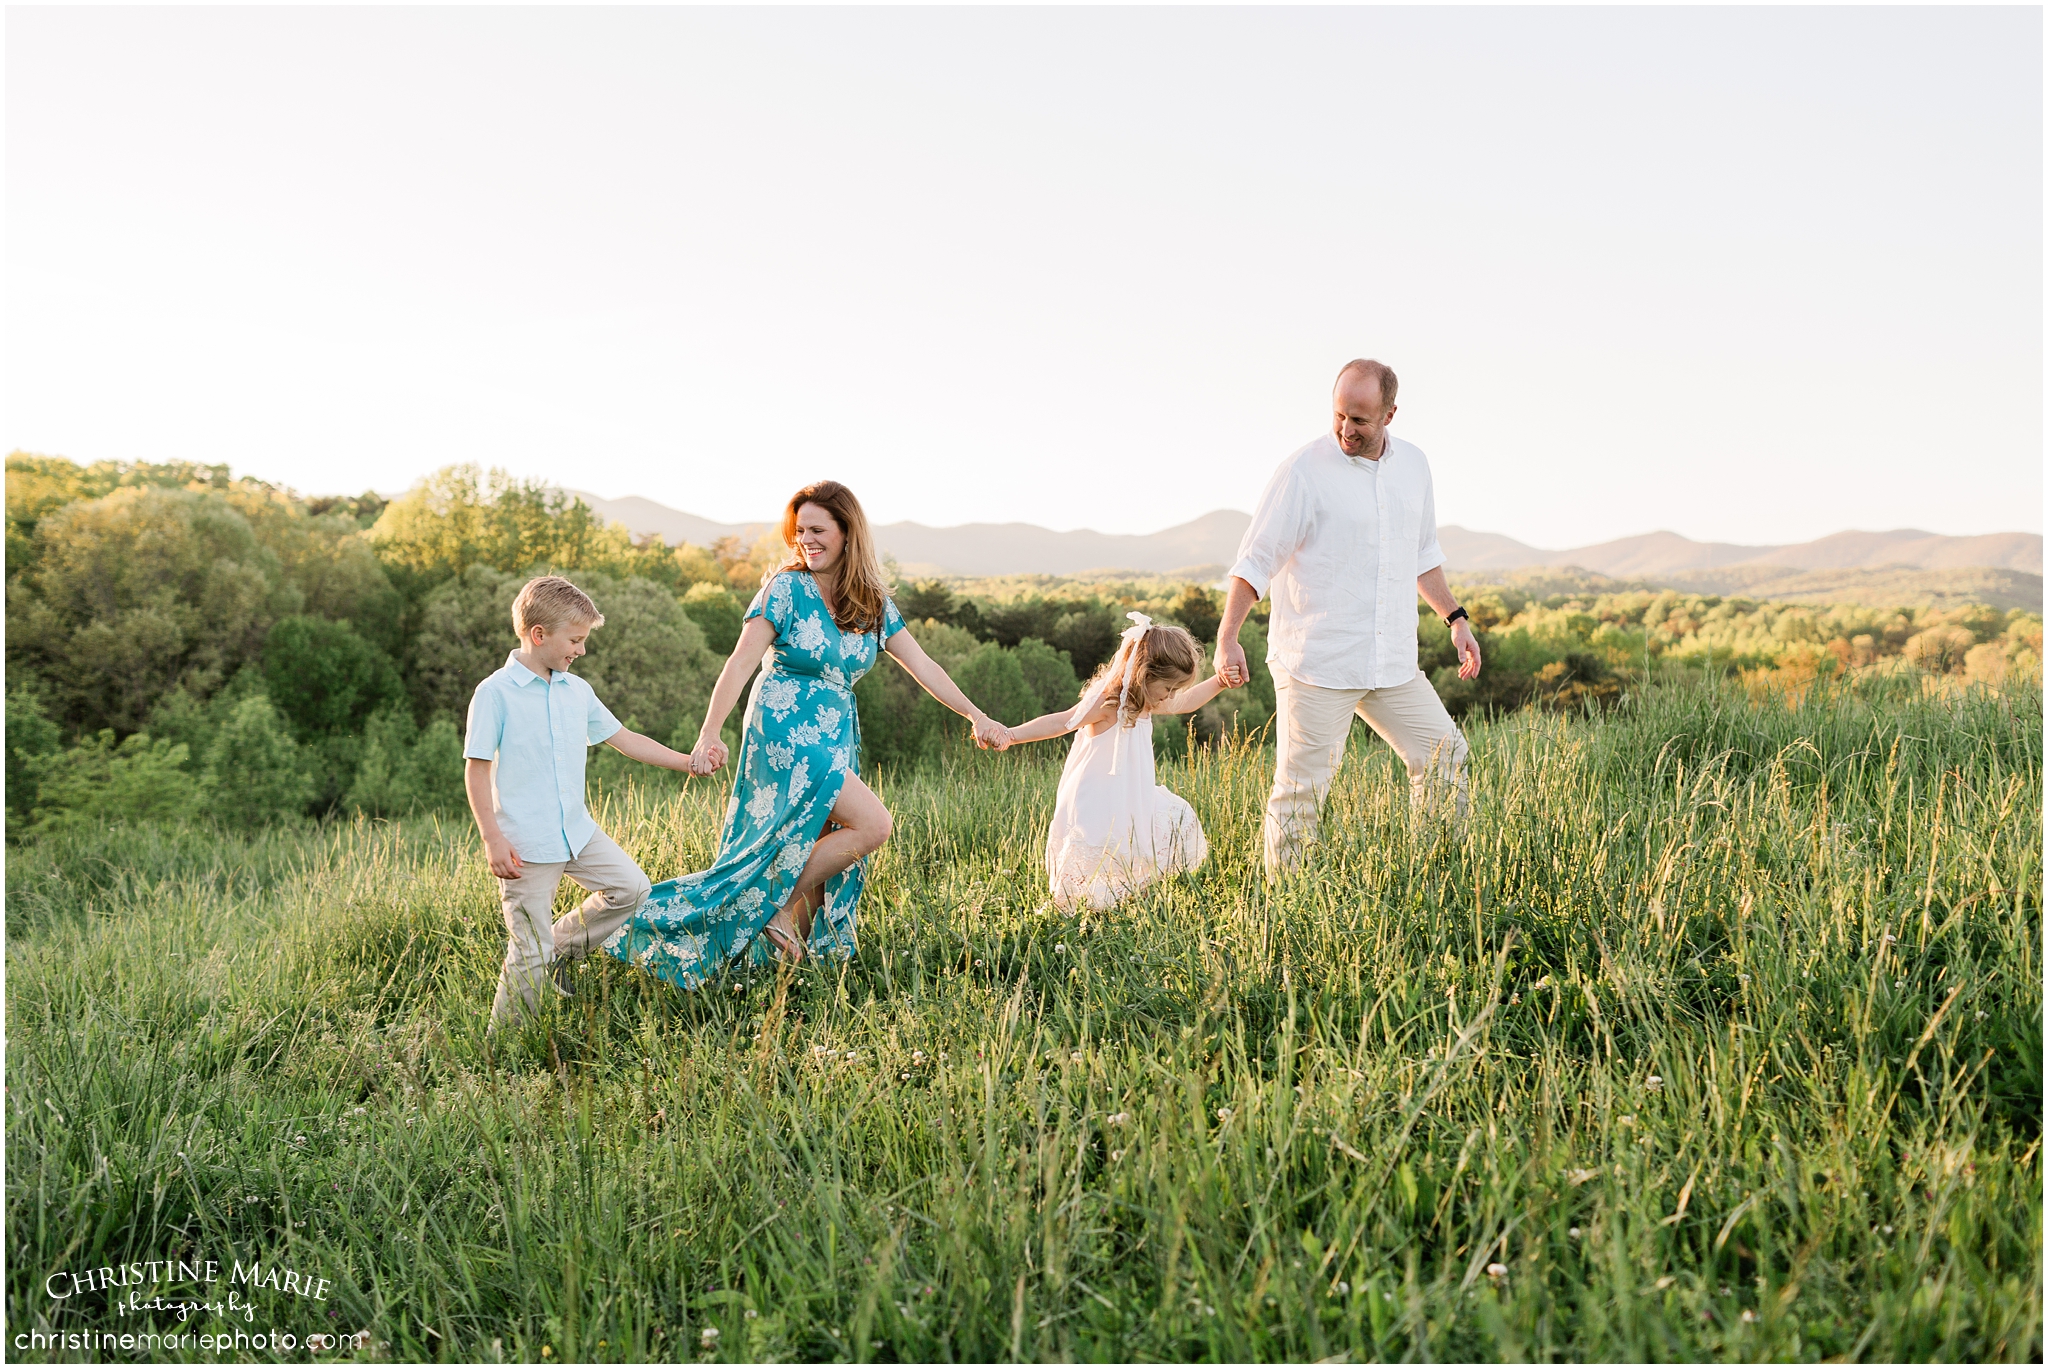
(503, 859)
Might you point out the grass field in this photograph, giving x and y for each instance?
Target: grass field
(1717, 1035)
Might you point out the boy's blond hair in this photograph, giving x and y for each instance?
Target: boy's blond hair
(549, 601)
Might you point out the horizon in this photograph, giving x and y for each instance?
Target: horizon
(1071, 268)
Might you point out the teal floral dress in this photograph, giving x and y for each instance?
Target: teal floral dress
(801, 741)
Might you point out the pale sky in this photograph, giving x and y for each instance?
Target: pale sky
(1752, 275)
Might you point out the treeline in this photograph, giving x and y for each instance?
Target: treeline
(183, 642)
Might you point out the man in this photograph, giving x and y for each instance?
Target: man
(1344, 538)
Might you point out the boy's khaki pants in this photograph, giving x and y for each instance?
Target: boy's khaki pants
(1313, 725)
(617, 885)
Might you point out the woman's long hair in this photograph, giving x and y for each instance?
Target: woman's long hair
(860, 591)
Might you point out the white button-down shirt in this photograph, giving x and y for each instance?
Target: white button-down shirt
(1338, 542)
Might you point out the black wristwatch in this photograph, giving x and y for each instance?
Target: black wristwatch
(1455, 614)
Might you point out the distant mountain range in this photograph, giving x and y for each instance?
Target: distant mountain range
(1209, 543)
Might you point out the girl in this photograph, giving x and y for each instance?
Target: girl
(1114, 828)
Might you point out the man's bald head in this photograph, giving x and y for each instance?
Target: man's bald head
(1371, 374)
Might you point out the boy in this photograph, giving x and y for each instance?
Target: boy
(529, 725)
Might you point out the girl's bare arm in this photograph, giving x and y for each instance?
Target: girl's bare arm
(1193, 697)
(1052, 725)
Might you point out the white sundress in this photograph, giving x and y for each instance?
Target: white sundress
(1115, 828)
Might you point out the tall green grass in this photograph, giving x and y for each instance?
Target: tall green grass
(1715, 1034)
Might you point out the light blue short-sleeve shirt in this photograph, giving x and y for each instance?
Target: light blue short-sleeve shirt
(537, 733)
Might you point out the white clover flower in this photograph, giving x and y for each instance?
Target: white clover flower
(1496, 1270)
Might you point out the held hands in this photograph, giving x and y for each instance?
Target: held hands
(1230, 665)
(991, 735)
(710, 754)
(1467, 644)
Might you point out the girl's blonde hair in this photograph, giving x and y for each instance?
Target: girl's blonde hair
(1159, 654)
(861, 592)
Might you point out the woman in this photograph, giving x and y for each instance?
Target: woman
(800, 821)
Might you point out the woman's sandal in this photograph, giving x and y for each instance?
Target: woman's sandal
(791, 949)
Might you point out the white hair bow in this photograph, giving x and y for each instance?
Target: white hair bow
(1139, 625)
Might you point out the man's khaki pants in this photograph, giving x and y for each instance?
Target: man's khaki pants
(616, 884)
(1313, 725)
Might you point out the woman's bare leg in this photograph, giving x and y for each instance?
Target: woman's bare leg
(863, 825)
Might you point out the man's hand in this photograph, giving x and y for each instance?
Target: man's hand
(1230, 663)
(503, 859)
(1467, 643)
(710, 754)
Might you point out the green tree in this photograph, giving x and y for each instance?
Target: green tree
(139, 591)
(405, 769)
(1198, 612)
(30, 738)
(648, 662)
(324, 677)
(101, 781)
(465, 634)
(1050, 674)
(255, 773)
(994, 680)
(928, 599)
(719, 612)
(1088, 635)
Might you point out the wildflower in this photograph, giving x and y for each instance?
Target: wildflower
(1664, 1282)
(1117, 1119)
(977, 963)
(708, 1338)
(751, 1314)
(1542, 983)
(1223, 1114)
(298, 1140)
(1496, 1270)
(547, 1352)
(1343, 1287)
(1115, 1155)
(1653, 1082)
(906, 1076)
(1060, 948)
(917, 1057)
(1075, 1058)
(1627, 1119)
(1575, 1233)
(1579, 1176)
(1748, 1314)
